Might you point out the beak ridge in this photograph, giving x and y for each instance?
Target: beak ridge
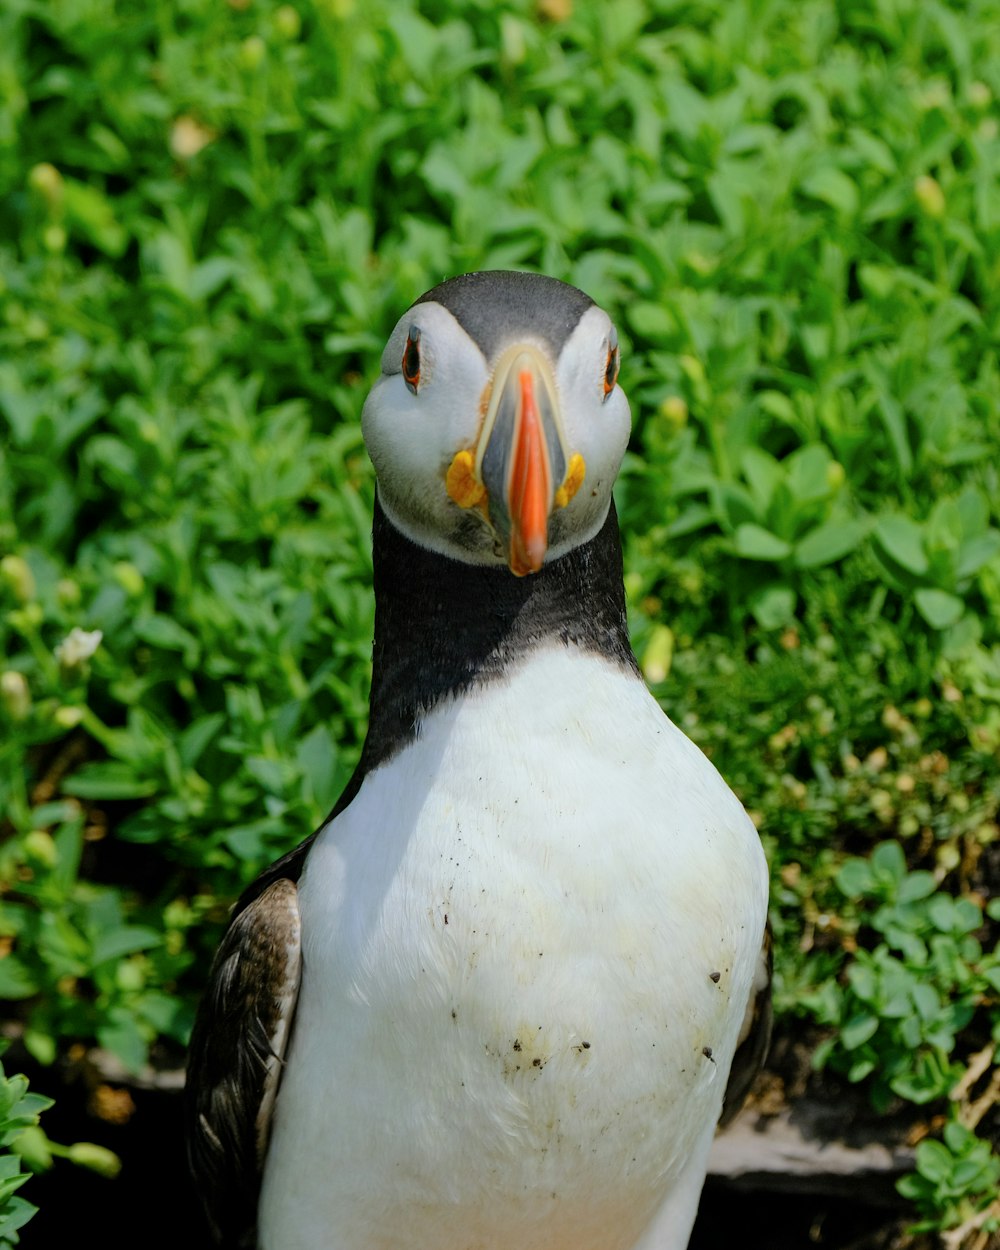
(530, 492)
(522, 456)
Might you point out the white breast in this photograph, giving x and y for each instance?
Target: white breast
(508, 1032)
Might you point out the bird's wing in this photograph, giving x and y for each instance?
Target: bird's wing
(755, 1036)
(236, 1053)
(239, 1041)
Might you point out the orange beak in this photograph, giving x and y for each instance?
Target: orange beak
(522, 456)
(530, 494)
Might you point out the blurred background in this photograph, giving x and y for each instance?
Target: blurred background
(211, 214)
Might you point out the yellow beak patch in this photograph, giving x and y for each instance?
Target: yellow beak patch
(461, 482)
(467, 491)
(575, 474)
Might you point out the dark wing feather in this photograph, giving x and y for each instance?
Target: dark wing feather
(755, 1036)
(240, 1035)
(235, 1058)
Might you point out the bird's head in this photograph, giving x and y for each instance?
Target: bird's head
(497, 426)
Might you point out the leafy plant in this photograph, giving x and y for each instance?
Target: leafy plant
(19, 1112)
(906, 999)
(955, 1179)
(899, 1012)
(937, 561)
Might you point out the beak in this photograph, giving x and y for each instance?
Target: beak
(521, 458)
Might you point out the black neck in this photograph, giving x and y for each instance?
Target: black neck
(442, 626)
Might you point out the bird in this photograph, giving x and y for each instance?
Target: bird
(505, 993)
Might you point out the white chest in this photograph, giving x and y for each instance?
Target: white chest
(509, 1030)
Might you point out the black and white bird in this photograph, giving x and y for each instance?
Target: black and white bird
(495, 1001)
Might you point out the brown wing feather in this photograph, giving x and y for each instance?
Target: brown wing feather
(240, 1035)
(235, 1058)
(755, 1036)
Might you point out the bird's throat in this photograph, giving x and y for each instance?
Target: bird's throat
(443, 626)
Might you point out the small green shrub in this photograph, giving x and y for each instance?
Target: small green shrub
(955, 1179)
(904, 1002)
(899, 1013)
(19, 1113)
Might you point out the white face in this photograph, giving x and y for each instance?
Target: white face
(415, 426)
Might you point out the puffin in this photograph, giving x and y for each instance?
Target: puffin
(505, 994)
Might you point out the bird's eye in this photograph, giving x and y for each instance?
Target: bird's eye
(411, 359)
(611, 367)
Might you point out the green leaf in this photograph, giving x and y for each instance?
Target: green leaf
(122, 1036)
(957, 1137)
(976, 552)
(968, 916)
(16, 1213)
(99, 1159)
(926, 1000)
(41, 1046)
(893, 417)
(903, 540)
(974, 510)
(916, 885)
(165, 1012)
(941, 910)
(828, 543)
(855, 878)
(888, 861)
(252, 841)
(197, 736)
(938, 608)
(933, 1160)
(773, 606)
(19, 1136)
(971, 1173)
(860, 1069)
(108, 779)
(858, 1030)
(695, 517)
(162, 631)
(753, 542)
(210, 275)
(832, 186)
(317, 757)
(652, 320)
(878, 280)
(92, 214)
(763, 473)
(126, 940)
(32, 1146)
(864, 981)
(16, 981)
(943, 528)
(808, 471)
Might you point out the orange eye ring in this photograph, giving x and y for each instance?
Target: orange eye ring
(411, 360)
(612, 366)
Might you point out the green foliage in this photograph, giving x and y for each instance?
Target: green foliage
(22, 1140)
(906, 999)
(900, 1010)
(19, 1112)
(955, 1178)
(39, 1152)
(938, 560)
(69, 932)
(209, 223)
